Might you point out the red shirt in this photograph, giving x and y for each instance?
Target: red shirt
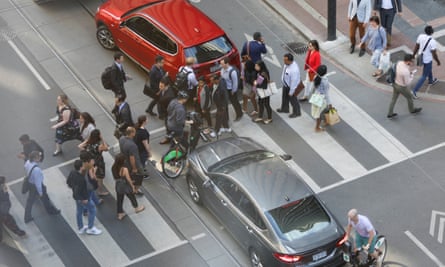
(313, 61)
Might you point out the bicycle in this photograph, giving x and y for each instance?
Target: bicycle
(361, 258)
(174, 160)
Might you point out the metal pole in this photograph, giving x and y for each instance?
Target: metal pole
(332, 20)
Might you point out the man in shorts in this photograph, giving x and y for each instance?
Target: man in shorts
(365, 234)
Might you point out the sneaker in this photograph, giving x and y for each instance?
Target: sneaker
(435, 80)
(258, 120)
(82, 230)
(414, 95)
(267, 121)
(391, 115)
(253, 113)
(416, 110)
(228, 130)
(212, 134)
(93, 231)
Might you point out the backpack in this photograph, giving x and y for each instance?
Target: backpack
(75, 114)
(106, 78)
(391, 74)
(181, 81)
(238, 74)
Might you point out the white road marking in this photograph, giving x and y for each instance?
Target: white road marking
(377, 136)
(424, 249)
(323, 144)
(157, 252)
(29, 65)
(198, 236)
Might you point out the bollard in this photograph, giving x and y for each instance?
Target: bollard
(332, 20)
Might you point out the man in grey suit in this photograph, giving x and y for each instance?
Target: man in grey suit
(359, 12)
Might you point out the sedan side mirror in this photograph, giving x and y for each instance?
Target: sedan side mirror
(286, 157)
(122, 24)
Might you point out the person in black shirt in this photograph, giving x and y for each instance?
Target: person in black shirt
(142, 139)
(29, 146)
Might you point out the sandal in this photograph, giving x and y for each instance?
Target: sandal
(139, 209)
(120, 216)
(319, 129)
(377, 73)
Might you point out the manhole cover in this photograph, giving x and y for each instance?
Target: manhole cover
(297, 48)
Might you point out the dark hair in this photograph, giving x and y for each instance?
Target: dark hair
(141, 120)
(408, 57)
(429, 30)
(289, 56)
(121, 97)
(249, 66)
(119, 163)
(118, 55)
(77, 164)
(215, 77)
(315, 44)
(2, 179)
(34, 156)
(263, 69)
(85, 156)
(183, 95)
(321, 71)
(88, 120)
(375, 19)
(94, 137)
(24, 138)
(202, 78)
(159, 58)
(256, 36)
(165, 80)
(226, 60)
(64, 99)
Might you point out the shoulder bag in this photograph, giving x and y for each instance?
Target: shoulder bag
(420, 56)
(26, 185)
(317, 99)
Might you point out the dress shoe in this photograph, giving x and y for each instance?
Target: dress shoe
(391, 115)
(362, 52)
(303, 99)
(282, 111)
(293, 115)
(152, 113)
(416, 110)
(352, 49)
(57, 152)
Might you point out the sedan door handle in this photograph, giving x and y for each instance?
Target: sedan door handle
(223, 202)
(249, 229)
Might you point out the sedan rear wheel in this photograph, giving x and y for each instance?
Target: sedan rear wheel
(194, 191)
(105, 38)
(255, 259)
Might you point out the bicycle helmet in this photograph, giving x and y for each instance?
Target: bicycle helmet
(183, 95)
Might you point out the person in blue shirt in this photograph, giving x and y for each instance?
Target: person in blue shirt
(37, 188)
(253, 49)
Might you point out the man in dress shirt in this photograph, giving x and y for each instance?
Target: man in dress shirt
(290, 79)
(403, 78)
(230, 75)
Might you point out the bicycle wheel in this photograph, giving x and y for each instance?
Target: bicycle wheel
(381, 247)
(173, 168)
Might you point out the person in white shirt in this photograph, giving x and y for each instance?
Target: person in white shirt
(426, 48)
(290, 78)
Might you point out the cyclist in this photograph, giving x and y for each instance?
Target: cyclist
(176, 115)
(365, 236)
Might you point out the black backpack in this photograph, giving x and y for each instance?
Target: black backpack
(106, 78)
(391, 74)
(238, 74)
(181, 81)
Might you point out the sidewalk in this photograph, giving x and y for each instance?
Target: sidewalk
(310, 18)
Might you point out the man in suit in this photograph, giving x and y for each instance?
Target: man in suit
(156, 73)
(359, 12)
(122, 113)
(166, 94)
(118, 75)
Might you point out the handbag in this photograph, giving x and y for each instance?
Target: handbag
(332, 117)
(317, 99)
(26, 185)
(148, 91)
(122, 187)
(263, 93)
(272, 86)
(299, 88)
(420, 56)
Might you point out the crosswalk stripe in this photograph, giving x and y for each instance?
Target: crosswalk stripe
(247, 128)
(377, 136)
(149, 222)
(327, 147)
(62, 195)
(34, 246)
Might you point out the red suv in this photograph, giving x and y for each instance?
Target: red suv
(174, 29)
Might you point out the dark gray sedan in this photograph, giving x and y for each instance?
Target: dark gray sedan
(264, 204)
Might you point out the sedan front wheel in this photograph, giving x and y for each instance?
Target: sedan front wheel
(105, 38)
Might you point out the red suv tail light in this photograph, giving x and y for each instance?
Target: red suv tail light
(287, 258)
(342, 241)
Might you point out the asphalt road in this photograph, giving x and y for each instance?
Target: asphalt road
(390, 170)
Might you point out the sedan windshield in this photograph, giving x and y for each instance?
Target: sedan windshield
(299, 219)
(209, 51)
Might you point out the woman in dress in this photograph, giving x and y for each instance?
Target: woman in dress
(313, 60)
(321, 85)
(96, 145)
(124, 186)
(87, 124)
(63, 121)
(260, 83)
(142, 139)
